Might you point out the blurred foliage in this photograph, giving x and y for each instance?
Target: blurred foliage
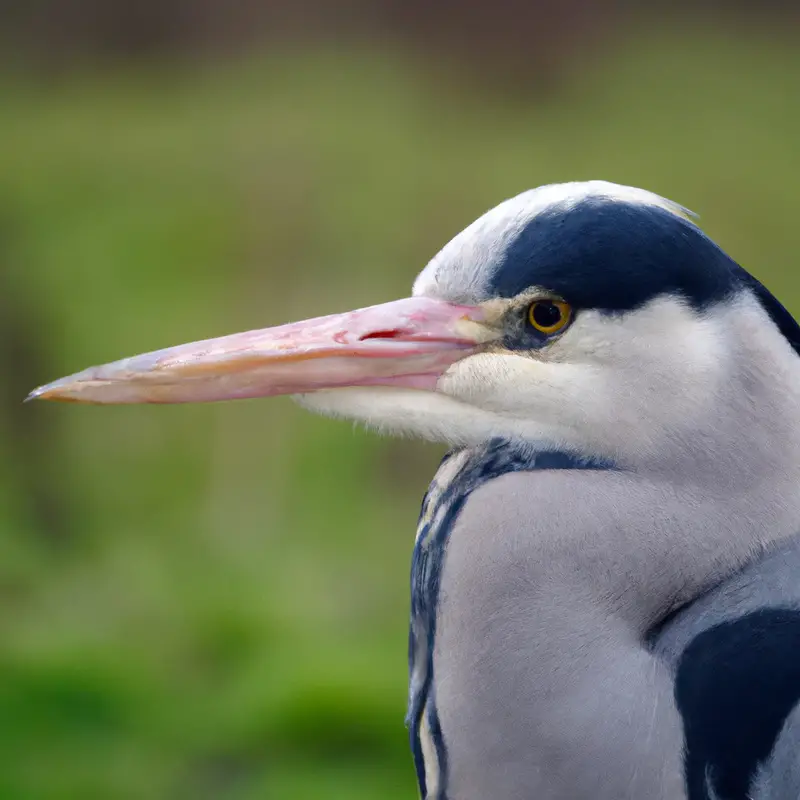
(211, 601)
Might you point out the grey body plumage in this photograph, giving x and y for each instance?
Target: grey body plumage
(555, 676)
(605, 595)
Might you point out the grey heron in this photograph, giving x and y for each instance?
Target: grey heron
(605, 588)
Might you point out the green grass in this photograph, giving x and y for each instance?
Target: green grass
(212, 601)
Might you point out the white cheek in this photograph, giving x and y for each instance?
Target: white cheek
(430, 415)
(610, 383)
(491, 380)
(520, 387)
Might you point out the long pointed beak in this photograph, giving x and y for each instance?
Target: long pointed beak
(407, 343)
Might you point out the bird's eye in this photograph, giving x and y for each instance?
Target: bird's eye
(549, 316)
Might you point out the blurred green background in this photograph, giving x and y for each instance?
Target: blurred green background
(211, 601)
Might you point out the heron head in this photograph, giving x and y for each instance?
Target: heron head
(586, 315)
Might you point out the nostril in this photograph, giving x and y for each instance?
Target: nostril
(391, 333)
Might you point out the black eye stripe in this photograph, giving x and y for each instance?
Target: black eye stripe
(613, 255)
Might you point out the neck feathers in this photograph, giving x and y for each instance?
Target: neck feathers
(461, 472)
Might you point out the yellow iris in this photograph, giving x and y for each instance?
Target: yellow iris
(549, 316)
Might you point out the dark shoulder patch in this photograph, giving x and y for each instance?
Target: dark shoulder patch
(615, 256)
(735, 685)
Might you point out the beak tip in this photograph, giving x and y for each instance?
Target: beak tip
(36, 394)
(50, 391)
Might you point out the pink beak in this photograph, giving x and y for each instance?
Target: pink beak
(406, 343)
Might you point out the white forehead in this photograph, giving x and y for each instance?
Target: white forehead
(462, 269)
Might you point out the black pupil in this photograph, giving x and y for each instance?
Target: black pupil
(546, 315)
